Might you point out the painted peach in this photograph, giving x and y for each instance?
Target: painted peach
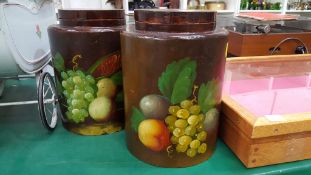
(154, 134)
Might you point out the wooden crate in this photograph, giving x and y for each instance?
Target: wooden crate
(261, 44)
(260, 141)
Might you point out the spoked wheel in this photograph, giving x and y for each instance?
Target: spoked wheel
(47, 101)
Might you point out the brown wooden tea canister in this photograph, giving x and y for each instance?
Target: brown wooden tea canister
(173, 65)
(85, 46)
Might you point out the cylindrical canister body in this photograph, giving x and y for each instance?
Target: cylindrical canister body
(173, 65)
(86, 57)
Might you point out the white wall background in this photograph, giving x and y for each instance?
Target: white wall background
(87, 4)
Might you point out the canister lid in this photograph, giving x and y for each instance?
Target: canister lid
(82, 14)
(93, 18)
(175, 20)
(93, 22)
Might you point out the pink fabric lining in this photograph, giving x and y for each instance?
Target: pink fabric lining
(285, 95)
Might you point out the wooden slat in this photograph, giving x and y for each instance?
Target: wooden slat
(235, 48)
(270, 153)
(293, 123)
(270, 58)
(265, 151)
(240, 116)
(237, 141)
(258, 127)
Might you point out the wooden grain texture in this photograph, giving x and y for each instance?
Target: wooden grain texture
(235, 44)
(270, 58)
(265, 151)
(258, 127)
(291, 123)
(259, 44)
(237, 141)
(270, 153)
(240, 116)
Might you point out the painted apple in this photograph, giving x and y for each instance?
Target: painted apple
(154, 134)
(100, 108)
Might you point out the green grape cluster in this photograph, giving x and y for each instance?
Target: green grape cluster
(185, 123)
(79, 92)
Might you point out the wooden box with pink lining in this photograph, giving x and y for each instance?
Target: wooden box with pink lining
(266, 109)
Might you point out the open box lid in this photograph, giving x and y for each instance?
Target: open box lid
(25, 32)
(268, 96)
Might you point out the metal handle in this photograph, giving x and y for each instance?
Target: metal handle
(288, 39)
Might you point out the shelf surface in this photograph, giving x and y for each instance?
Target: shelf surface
(26, 148)
(260, 11)
(225, 11)
(131, 12)
(299, 11)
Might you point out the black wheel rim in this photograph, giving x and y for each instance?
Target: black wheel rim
(47, 101)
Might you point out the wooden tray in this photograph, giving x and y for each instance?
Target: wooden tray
(257, 139)
(262, 44)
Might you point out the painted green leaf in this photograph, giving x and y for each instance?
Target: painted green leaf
(164, 82)
(207, 95)
(136, 118)
(120, 97)
(117, 78)
(184, 83)
(168, 78)
(59, 86)
(58, 62)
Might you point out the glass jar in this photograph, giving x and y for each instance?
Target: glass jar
(85, 46)
(173, 64)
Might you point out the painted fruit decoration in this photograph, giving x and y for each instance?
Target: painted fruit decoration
(106, 88)
(154, 106)
(154, 134)
(107, 67)
(177, 121)
(100, 108)
(90, 94)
